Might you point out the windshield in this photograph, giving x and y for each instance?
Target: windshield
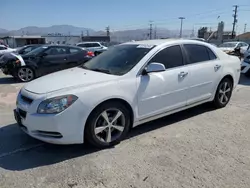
(228, 44)
(37, 51)
(118, 60)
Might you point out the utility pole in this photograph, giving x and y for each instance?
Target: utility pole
(155, 33)
(81, 35)
(235, 19)
(245, 28)
(192, 34)
(150, 30)
(181, 18)
(107, 31)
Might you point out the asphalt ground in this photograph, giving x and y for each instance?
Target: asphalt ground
(199, 147)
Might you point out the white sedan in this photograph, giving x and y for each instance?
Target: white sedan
(4, 49)
(128, 85)
(229, 47)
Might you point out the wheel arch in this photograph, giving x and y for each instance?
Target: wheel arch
(116, 99)
(229, 76)
(223, 77)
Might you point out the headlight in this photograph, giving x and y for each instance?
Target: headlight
(56, 105)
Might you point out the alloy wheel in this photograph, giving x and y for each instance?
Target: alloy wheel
(224, 92)
(109, 125)
(25, 74)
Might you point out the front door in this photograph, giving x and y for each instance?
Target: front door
(54, 60)
(161, 92)
(204, 69)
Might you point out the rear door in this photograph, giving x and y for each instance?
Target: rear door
(54, 60)
(76, 57)
(204, 72)
(94, 46)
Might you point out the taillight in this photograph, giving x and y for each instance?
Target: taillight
(89, 53)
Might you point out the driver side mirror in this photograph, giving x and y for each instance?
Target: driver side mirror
(154, 67)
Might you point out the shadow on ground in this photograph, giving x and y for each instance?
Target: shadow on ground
(8, 80)
(244, 80)
(41, 154)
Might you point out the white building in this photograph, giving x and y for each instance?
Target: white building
(17, 41)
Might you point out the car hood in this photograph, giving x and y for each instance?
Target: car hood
(226, 49)
(75, 77)
(25, 57)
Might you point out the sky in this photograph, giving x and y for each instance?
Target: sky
(123, 15)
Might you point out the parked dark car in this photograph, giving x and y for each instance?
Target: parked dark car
(43, 60)
(27, 48)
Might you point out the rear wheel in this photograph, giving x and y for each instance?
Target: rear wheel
(25, 74)
(107, 125)
(223, 93)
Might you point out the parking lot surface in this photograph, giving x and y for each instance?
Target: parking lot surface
(200, 147)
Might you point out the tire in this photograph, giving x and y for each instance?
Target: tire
(223, 93)
(25, 74)
(95, 132)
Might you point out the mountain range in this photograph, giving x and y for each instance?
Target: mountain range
(125, 35)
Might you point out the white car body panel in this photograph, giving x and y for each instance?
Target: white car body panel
(150, 97)
(171, 94)
(7, 50)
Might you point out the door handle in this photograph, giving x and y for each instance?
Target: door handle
(183, 74)
(216, 67)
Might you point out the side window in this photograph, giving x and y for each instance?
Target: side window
(56, 51)
(3, 48)
(196, 53)
(82, 45)
(74, 50)
(244, 44)
(171, 57)
(26, 50)
(96, 45)
(211, 54)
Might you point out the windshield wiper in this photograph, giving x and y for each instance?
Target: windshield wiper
(84, 67)
(101, 70)
(97, 70)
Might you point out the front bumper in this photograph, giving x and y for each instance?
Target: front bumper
(66, 127)
(245, 67)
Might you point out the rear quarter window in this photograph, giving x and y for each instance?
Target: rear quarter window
(198, 53)
(74, 50)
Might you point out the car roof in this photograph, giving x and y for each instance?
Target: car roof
(234, 42)
(2, 45)
(53, 45)
(158, 42)
(34, 44)
(152, 42)
(87, 42)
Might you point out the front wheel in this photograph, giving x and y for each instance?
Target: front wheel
(107, 125)
(223, 93)
(25, 74)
